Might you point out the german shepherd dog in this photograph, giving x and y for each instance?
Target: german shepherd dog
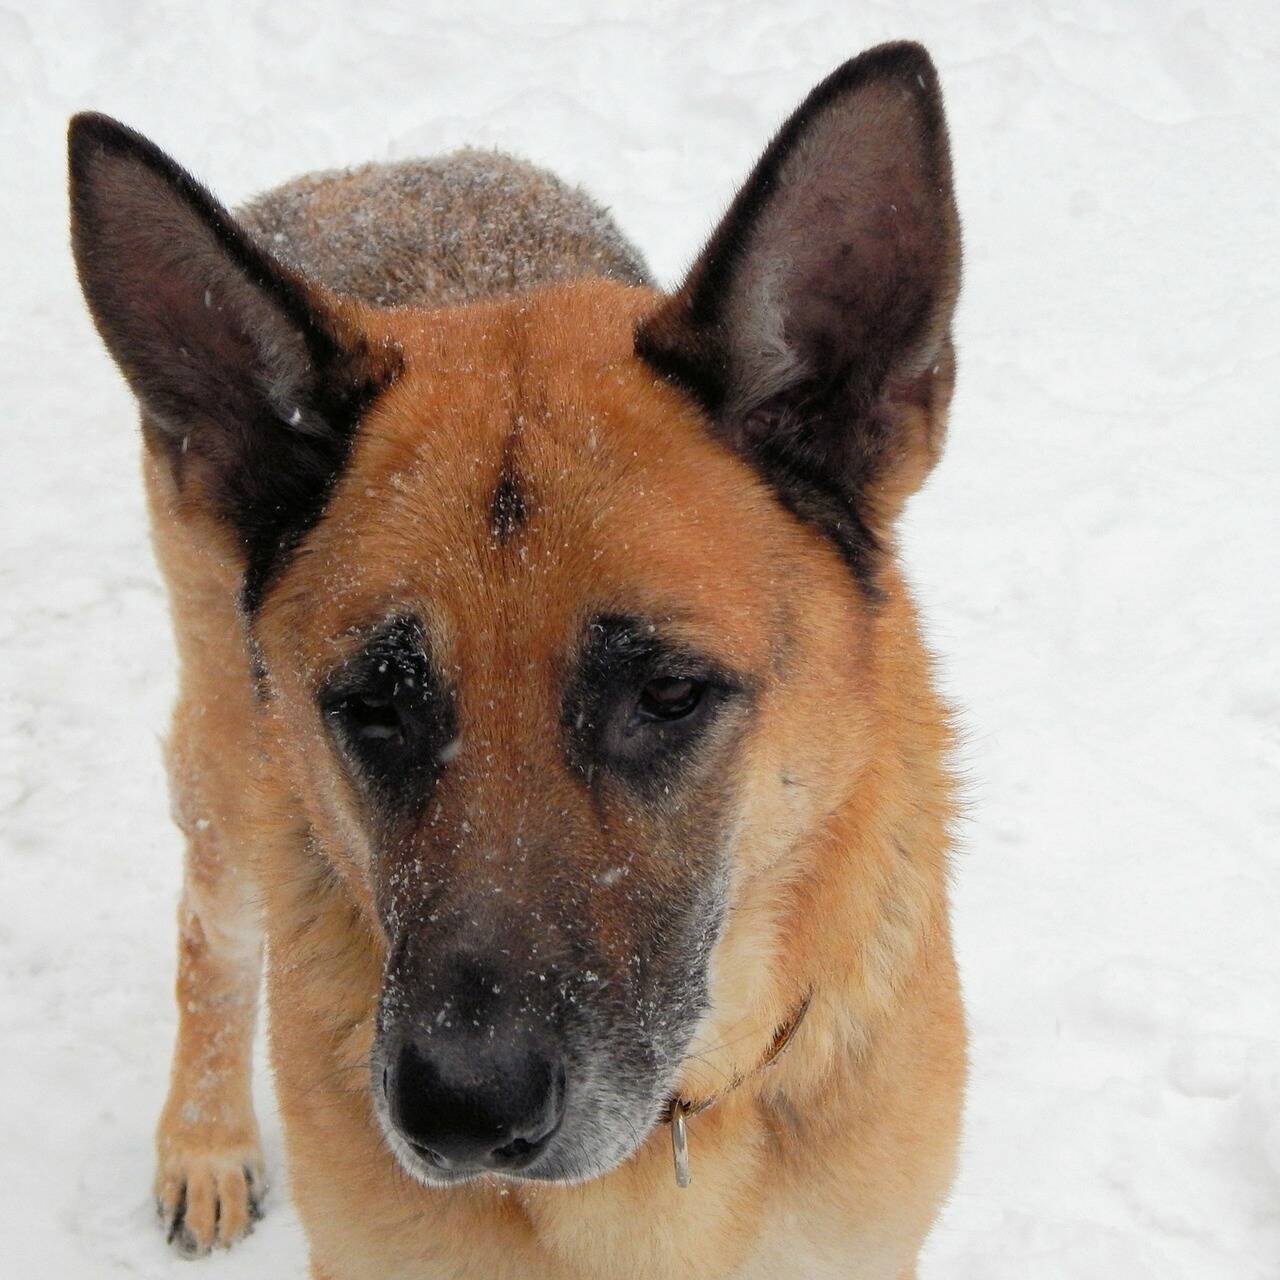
(552, 703)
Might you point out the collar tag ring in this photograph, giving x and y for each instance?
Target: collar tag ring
(680, 1142)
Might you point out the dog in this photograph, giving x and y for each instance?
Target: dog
(552, 701)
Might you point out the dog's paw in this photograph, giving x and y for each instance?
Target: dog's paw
(209, 1199)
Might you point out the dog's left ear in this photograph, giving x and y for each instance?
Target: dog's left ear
(815, 328)
(251, 379)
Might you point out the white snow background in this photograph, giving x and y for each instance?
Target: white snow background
(1092, 556)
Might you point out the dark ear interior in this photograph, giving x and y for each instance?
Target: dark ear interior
(814, 328)
(247, 379)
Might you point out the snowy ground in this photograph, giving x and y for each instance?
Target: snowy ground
(1092, 556)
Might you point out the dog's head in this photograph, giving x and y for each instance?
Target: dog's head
(560, 602)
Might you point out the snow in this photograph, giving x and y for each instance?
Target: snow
(1092, 557)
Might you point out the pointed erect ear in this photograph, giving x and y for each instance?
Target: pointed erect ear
(815, 328)
(250, 380)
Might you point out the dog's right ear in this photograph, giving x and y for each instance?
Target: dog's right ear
(249, 378)
(815, 328)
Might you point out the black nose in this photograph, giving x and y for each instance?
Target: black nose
(468, 1108)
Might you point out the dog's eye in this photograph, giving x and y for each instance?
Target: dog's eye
(669, 698)
(640, 705)
(370, 718)
(390, 717)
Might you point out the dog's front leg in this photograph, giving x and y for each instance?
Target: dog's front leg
(209, 1178)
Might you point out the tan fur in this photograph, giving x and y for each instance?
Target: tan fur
(208, 1148)
(834, 1162)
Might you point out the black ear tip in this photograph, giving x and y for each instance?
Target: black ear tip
(93, 137)
(97, 144)
(92, 131)
(903, 55)
(904, 61)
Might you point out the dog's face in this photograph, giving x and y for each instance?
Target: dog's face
(552, 595)
(528, 649)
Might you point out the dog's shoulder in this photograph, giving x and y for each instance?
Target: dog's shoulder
(441, 231)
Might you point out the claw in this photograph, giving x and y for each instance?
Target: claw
(257, 1193)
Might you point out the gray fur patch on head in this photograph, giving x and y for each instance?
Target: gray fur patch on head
(441, 231)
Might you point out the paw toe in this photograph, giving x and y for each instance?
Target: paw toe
(208, 1202)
